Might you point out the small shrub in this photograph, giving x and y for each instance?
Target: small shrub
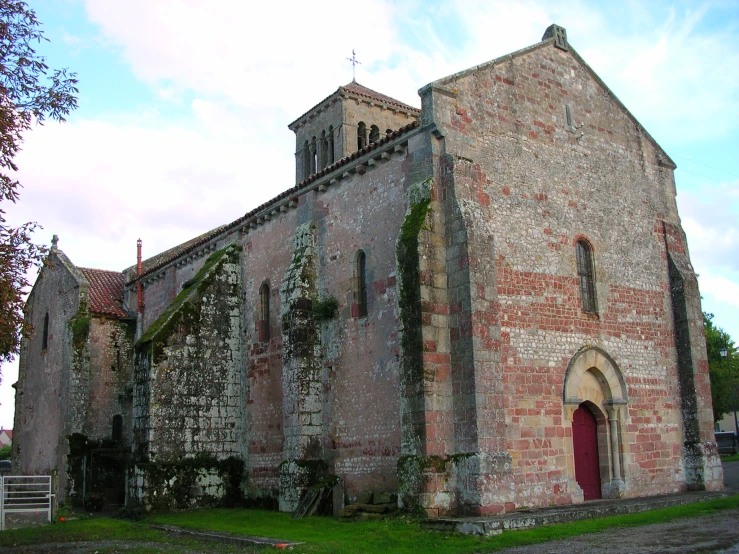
(325, 309)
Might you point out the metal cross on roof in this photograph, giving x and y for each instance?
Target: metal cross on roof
(354, 61)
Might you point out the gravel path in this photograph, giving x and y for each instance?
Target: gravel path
(715, 533)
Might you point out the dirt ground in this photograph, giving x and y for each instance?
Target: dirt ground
(717, 533)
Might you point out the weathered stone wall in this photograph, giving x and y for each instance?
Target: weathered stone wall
(528, 186)
(317, 127)
(110, 389)
(49, 393)
(337, 398)
(267, 251)
(371, 113)
(342, 115)
(188, 389)
(162, 287)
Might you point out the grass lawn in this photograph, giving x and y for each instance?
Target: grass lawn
(731, 458)
(325, 535)
(109, 529)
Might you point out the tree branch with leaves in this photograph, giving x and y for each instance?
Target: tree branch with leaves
(29, 94)
(723, 370)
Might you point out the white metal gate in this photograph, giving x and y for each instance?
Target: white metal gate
(25, 494)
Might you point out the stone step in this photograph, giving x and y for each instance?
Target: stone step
(526, 519)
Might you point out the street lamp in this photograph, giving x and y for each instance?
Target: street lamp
(724, 354)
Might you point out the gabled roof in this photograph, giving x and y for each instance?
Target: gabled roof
(106, 292)
(361, 90)
(354, 89)
(156, 260)
(548, 41)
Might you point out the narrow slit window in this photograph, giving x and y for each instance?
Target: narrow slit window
(331, 145)
(313, 156)
(361, 286)
(361, 135)
(45, 336)
(324, 151)
(586, 276)
(374, 134)
(263, 324)
(306, 161)
(117, 431)
(568, 116)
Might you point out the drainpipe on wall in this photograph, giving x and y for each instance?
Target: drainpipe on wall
(139, 293)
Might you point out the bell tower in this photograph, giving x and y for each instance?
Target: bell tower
(350, 119)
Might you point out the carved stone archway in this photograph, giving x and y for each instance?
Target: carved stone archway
(593, 377)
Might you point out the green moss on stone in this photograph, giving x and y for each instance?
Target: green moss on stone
(325, 309)
(186, 306)
(413, 471)
(80, 327)
(409, 300)
(172, 484)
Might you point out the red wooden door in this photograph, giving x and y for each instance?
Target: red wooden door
(585, 442)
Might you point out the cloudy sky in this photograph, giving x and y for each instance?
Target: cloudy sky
(184, 106)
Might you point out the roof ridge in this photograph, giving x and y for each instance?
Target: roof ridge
(106, 291)
(370, 93)
(281, 196)
(98, 269)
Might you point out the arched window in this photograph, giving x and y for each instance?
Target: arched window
(313, 157)
(324, 151)
(361, 135)
(263, 323)
(306, 160)
(331, 145)
(359, 308)
(45, 336)
(374, 134)
(117, 431)
(586, 276)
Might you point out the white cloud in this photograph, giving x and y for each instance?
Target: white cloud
(720, 288)
(676, 77)
(100, 185)
(266, 54)
(710, 218)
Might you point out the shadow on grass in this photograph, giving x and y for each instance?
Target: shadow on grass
(325, 535)
(404, 534)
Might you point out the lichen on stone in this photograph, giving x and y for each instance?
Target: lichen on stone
(409, 282)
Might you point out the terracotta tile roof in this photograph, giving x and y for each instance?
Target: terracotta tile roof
(173, 253)
(361, 90)
(106, 291)
(155, 261)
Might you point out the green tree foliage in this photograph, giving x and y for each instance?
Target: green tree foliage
(29, 94)
(724, 372)
(5, 452)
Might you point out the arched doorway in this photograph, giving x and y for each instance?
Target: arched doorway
(594, 404)
(585, 444)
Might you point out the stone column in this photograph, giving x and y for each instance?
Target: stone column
(617, 483)
(302, 389)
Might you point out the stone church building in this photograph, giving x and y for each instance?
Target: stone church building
(482, 305)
